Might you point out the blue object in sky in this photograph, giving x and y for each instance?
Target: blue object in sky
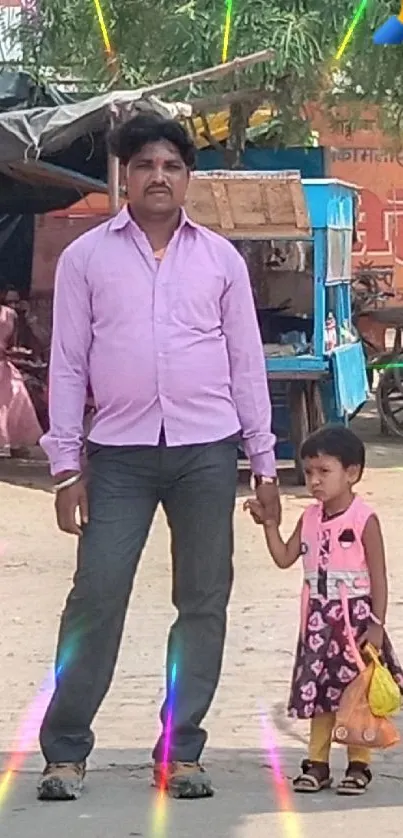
(391, 32)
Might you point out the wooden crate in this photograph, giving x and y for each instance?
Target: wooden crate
(251, 205)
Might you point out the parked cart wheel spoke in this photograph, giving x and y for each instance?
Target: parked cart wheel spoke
(389, 398)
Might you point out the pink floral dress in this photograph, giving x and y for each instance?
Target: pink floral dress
(333, 555)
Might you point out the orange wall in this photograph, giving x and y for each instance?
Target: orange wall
(53, 232)
(365, 157)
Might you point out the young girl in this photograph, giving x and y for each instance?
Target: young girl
(340, 541)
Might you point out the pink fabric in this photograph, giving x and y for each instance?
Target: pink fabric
(343, 556)
(349, 629)
(305, 597)
(327, 657)
(18, 421)
(174, 341)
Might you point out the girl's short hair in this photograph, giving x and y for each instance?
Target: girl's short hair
(335, 441)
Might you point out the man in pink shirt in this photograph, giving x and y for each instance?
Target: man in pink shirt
(156, 313)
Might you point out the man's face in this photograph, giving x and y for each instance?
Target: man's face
(157, 179)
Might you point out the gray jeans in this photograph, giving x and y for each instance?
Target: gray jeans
(196, 485)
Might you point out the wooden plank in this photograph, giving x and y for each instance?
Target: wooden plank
(297, 375)
(223, 205)
(266, 202)
(255, 232)
(300, 208)
(211, 73)
(254, 205)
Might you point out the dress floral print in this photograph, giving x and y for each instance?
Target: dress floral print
(324, 663)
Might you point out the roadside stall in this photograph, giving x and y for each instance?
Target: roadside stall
(315, 363)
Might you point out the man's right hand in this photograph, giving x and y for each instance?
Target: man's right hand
(70, 501)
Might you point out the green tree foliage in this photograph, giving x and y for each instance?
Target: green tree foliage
(158, 39)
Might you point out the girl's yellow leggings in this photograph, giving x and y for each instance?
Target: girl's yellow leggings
(321, 739)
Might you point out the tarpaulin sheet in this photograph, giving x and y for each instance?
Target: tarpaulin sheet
(70, 135)
(43, 131)
(19, 90)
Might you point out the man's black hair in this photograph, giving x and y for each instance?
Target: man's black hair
(335, 441)
(130, 137)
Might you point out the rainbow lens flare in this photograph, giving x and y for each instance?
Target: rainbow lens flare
(26, 737)
(229, 5)
(160, 812)
(391, 32)
(359, 12)
(289, 819)
(28, 733)
(103, 28)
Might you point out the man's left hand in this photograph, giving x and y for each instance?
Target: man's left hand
(269, 497)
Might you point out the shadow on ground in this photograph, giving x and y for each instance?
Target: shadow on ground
(30, 474)
(119, 801)
(385, 452)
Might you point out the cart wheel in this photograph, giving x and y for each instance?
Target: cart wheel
(299, 424)
(389, 401)
(370, 378)
(384, 428)
(315, 406)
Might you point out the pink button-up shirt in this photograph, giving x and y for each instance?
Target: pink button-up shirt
(173, 342)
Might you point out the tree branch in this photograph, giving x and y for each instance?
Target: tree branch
(212, 73)
(255, 96)
(208, 135)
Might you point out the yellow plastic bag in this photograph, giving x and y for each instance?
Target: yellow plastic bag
(384, 696)
(356, 725)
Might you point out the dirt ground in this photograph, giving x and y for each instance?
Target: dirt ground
(36, 567)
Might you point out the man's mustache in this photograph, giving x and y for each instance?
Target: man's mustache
(158, 187)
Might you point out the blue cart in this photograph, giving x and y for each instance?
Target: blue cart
(280, 217)
(321, 385)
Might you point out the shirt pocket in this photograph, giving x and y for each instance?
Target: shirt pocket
(123, 298)
(197, 303)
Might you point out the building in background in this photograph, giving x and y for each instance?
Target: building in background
(364, 155)
(10, 46)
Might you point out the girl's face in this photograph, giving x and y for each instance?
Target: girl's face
(327, 479)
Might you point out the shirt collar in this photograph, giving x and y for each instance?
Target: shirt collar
(123, 219)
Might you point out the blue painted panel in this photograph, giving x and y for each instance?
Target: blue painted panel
(350, 377)
(311, 162)
(296, 363)
(319, 293)
(281, 419)
(281, 414)
(330, 203)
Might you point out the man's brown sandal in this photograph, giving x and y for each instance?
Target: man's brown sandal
(356, 780)
(314, 777)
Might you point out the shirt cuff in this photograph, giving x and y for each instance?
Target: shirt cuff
(264, 465)
(58, 466)
(61, 457)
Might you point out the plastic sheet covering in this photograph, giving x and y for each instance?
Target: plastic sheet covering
(19, 90)
(56, 130)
